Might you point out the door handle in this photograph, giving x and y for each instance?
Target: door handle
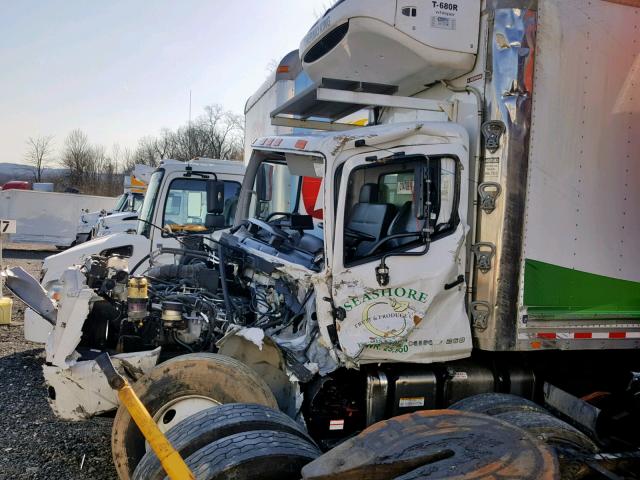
(455, 283)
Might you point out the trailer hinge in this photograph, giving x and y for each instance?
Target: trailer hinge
(484, 253)
(480, 312)
(492, 131)
(489, 193)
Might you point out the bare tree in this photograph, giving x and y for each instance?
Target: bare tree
(215, 134)
(76, 156)
(38, 154)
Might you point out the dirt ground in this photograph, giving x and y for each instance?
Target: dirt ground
(34, 444)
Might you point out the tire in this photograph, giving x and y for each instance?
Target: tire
(213, 424)
(263, 455)
(496, 403)
(551, 430)
(203, 379)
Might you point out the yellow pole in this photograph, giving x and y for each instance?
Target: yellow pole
(171, 460)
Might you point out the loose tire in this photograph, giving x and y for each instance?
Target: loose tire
(263, 455)
(496, 403)
(568, 442)
(177, 388)
(213, 424)
(553, 431)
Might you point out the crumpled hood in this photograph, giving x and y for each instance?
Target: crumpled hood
(55, 265)
(90, 218)
(114, 218)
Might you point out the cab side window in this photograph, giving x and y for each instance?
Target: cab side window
(380, 206)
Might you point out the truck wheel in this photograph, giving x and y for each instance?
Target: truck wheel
(551, 430)
(496, 403)
(216, 423)
(250, 455)
(179, 388)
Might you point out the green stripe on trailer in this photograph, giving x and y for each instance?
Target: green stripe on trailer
(555, 292)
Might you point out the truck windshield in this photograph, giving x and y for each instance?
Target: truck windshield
(277, 189)
(149, 204)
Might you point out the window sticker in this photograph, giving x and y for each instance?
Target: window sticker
(405, 187)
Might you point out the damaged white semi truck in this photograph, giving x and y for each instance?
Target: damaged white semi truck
(474, 247)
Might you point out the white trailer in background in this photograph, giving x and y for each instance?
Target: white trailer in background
(279, 87)
(47, 217)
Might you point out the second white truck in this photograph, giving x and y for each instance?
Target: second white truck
(175, 198)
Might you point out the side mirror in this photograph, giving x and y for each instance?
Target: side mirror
(215, 196)
(264, 182)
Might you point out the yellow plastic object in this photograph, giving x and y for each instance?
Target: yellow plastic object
(173, 228)
(137, 288)
(5, 310)
(170, 459)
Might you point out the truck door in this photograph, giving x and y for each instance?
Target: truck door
(398, 280)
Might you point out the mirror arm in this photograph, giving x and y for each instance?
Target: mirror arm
(382, 270)
(190, 171)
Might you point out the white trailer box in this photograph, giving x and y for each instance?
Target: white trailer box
(47, 217)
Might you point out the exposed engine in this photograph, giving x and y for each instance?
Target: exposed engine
(173, 306)
(190, 306)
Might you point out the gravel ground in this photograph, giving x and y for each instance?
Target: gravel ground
(34, 444)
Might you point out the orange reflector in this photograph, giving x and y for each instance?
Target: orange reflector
(283, 69)
(301, 144)
(536, 345)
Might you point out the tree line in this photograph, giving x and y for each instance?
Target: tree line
(92, 169)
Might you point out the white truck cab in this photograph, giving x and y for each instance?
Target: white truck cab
(175, 199)
(389, 266)
(126, 204)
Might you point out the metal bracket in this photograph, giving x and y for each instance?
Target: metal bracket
(480, 312)
(493, 131)
(489, 193)
(484, 252)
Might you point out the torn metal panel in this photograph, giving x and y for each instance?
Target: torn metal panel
(36, 328)
(81, 391)
(27, 289)
(75, 303)
(268, 361)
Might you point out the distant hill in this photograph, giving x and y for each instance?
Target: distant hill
(17, 171)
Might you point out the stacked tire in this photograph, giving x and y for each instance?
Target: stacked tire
(220, 416)
(236, 441)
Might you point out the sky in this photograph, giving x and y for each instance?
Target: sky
(120, 70)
